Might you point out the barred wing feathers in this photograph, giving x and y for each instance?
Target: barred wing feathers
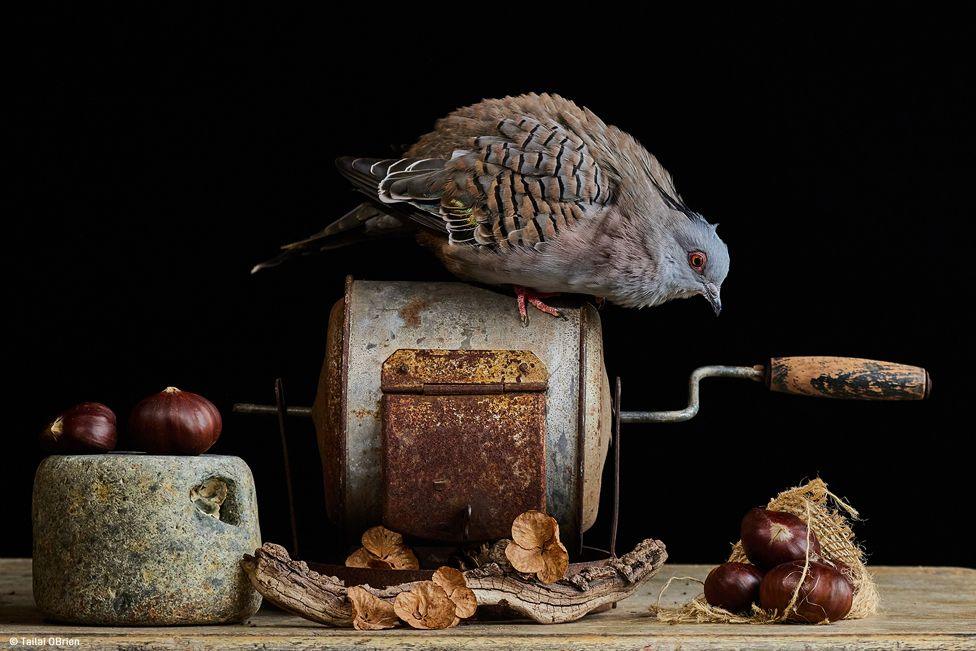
(519, 186)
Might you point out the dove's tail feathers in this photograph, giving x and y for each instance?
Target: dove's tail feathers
(399, 191)
(364, 222)
(406, 187)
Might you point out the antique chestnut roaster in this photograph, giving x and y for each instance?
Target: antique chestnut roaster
(440, 417)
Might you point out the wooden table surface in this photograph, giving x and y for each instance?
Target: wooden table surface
(922, 608)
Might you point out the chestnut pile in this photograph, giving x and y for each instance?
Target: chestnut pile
(778, 545)
(169, 422)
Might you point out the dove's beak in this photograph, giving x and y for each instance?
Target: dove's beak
(711, 293)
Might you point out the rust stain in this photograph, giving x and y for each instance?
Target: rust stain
(445, 453)
(410, 313)
(410, 370)
(328, 415)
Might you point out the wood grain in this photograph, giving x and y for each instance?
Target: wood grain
(922, 608)
(848, 377)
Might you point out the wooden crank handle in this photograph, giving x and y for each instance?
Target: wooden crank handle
(847, 377)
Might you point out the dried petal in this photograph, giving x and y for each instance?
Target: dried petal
(370, 613)
(380, 541)
(534, 529)
(411, 608)
(362, 558)
(402, 559)
(465, 603)
(426, 606)
(449, 578)
(388, 547)
(556, 560)
(525, 560)
(454, 584)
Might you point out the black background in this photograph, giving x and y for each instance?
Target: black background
(157, 156)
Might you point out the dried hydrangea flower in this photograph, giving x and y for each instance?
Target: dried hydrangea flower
(426, 606)
(383, 549)
(370, 613)
(536, 548)
(456, 587)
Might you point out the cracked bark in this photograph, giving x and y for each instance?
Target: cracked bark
(292, 586)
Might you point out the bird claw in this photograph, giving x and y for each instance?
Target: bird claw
(525, 297)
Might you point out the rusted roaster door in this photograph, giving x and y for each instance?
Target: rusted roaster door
(464, 442)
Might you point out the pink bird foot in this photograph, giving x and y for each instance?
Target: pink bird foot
(525, 295)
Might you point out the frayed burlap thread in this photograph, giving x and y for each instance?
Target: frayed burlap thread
(829, 517)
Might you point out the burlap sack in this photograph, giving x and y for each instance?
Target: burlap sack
(829, 517)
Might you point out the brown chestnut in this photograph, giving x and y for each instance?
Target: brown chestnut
(843, 568)
(87, 427)
(825, 596)
(733, 586)
(770, 538)
(174, 422)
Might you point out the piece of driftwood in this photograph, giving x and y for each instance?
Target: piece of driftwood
(594, 585)
(292, 586)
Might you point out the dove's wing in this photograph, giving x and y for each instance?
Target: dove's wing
(368, 174)
(521, 185)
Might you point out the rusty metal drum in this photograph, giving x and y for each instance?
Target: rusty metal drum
(442, 417)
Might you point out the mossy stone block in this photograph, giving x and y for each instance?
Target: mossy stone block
(133, 539)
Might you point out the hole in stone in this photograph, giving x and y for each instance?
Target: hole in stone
(215, 497)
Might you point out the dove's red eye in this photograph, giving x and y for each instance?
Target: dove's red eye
(697, 260)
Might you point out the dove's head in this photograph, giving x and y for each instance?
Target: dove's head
(669, 250)
(697, 260)
(663, 258)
